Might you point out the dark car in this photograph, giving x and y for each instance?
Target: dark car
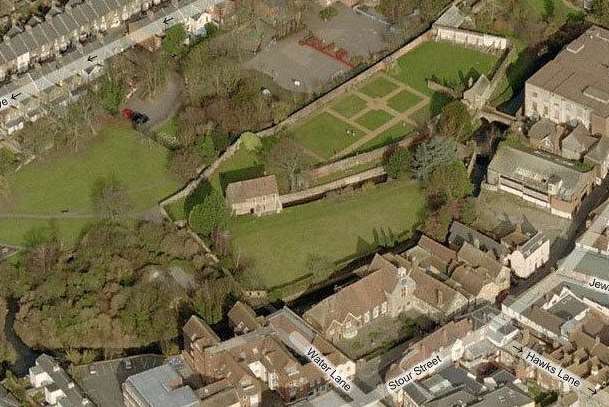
(139, 118)
(136, 118)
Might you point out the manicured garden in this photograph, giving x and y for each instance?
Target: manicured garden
(339, 229)
(58, 189)
(349, 105)
(325, 135)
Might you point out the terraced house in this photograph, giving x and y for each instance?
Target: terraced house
(48, 60)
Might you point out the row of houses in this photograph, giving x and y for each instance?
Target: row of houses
(48, 64)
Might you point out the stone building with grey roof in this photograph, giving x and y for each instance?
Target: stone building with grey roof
(257, 196)
(539, 179)
(574, 87)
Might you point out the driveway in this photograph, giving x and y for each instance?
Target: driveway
(162, 106)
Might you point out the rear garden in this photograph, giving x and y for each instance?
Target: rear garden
(57, 191)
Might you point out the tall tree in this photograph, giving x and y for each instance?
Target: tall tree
(456, 121)
(432, 154)
(449, 182)
(397, 163)
(288, 158)
(210, 215)
(174, 41)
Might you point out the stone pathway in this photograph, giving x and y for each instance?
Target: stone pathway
(373, 103)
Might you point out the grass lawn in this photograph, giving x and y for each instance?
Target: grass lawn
(442, 60)
(403, 101)
(374, 119)
(243, 161)
(325, 135)
(349, 105)
(391, 135)
(378, 87)
(339, 228)
(40, 191)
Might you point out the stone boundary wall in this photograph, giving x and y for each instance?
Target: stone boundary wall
(471, 38)
(354, 161)
(331, 186)
(205, 172)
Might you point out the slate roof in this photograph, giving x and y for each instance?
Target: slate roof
(73, 394)
(600, 152)
(242, 191)
(579, 140)
(543, 128)
(506, 396)
(579, 72)
(158, 387)
(460, 234)
(537, 172)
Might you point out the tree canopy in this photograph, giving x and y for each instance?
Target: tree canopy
(432, 154)
(210, 215)
(456, 121)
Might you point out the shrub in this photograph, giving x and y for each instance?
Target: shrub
(210, 215)
(397, 163)
(328, 13)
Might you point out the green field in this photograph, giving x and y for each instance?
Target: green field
(403, 101)
(42, 190)
(349, 105)
(373, 119)
(339, 228)
(325, 135)
(441, 60)
(378, 87)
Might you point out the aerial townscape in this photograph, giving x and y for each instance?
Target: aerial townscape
(308, 203)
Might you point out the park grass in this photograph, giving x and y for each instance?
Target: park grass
(403, 101)
(378, 87)
(45, 188)
(389, 136)
(374, 119)
(340, 228)
(325, 135)
(443, 61)
(349, 105)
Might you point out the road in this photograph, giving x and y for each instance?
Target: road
(95, 53)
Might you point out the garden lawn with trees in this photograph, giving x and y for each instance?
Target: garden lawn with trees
(58, 190)
(339, 229)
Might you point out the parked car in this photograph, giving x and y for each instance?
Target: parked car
(136, 118)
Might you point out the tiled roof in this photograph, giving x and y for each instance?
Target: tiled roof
(356, 298)
(238, 192)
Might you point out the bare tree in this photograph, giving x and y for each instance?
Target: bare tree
(288, 158)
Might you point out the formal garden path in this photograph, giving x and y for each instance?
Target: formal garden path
(379, 104)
